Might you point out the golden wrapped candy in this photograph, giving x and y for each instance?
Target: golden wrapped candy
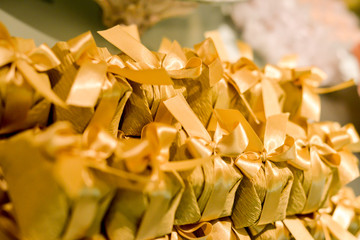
(95, 96)
(25, 91)
(210, 188)
(264, 193)
(149, 212)
(201, 141)
(339, 220)
(332, 166)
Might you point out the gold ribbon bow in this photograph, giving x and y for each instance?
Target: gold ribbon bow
(145, 67)
(149, 158)
(344, 140)
(336, 136)
(201, 144)
(242, 75)
(323, 160)
(23, 66)
(277, 147)
(75, 154)
(208, 53)
(176, 63)
(306, 80)
(346, 205)
(94, 79)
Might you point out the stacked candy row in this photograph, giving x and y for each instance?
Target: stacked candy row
(178, 143)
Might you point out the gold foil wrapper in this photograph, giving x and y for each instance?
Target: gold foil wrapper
(209, 192)
(251, 195)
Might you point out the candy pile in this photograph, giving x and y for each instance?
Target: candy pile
(174, 144)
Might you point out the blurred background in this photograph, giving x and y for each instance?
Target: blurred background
(324, 33)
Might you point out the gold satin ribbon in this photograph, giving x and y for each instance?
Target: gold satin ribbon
(208, 53)
(217, 229)
(92, 73)
(336, 136)
(199, 231)
(296, 228)
(343, 140)
(321, 225)
(243, 74)
(147, 67)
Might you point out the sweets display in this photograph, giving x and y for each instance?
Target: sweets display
(174, 144)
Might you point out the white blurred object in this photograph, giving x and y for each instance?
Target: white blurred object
(320, 32)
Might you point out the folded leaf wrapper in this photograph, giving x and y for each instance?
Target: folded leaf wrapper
(51, 164)
(25, 91)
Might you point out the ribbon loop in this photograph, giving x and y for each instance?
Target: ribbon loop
(199, 231)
